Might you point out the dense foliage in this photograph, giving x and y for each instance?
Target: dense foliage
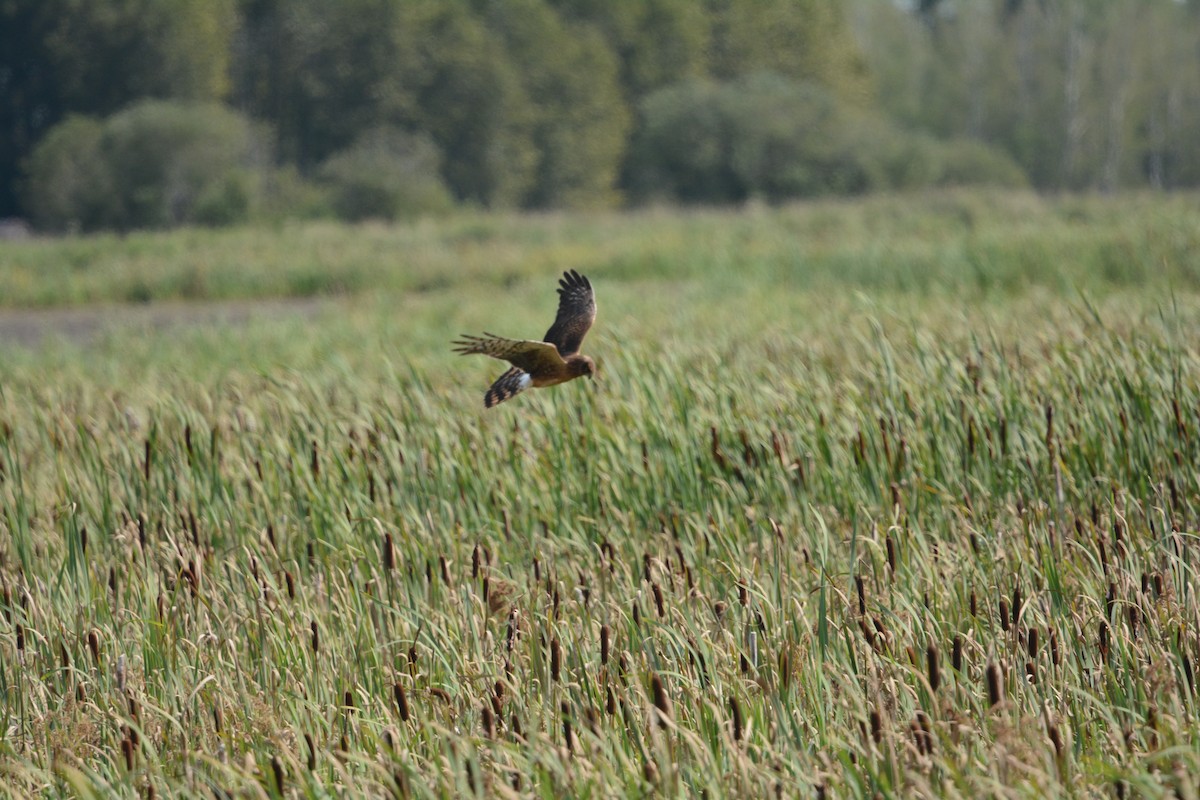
(575, 103)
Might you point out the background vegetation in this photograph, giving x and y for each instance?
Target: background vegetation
(574, 103)
(869, 498)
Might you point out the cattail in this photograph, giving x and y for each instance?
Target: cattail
(662, 700)
(218, 719)
(1054, 654)
(277, 768)
(311, 760)
(83, 539)
(891, 554)
(489, 721)
(973, 604)
(1004, 618)
(127, 752)
(291, 584)
(475, 563)
(1049, 426)
(445, 567)
(1032, 643)
(389, 552)
(658, 599)
(316, 637)
(1104, 640)
(21, 640)
(735, 712)
(995, 689)
(743, 595)
(605, 641)
(876, 726)
(1187, 673)
(1016, 605)
(932, 660)
(349, 701)
(923, 733)
(1030, 672)
(956, 654)
(401, 700)
(1055, 738)
(93, 640)
(862, 600)
(555, 660)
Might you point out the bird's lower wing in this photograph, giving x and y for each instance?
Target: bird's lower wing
(528, 354)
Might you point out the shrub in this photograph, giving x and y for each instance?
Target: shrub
(70, 185)
(766, 136)
(386, 174)
(153, 165)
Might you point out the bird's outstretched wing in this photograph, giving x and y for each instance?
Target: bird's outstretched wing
(536, 358)
(576, 313)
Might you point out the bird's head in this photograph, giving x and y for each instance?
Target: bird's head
(584, 365)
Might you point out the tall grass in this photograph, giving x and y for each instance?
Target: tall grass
(963, 243)
(797, 539)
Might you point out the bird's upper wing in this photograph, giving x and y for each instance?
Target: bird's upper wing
(533, 357)
(576, 313)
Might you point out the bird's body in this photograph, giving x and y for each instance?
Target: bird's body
(555, 359)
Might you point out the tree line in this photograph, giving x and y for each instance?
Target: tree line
(148, 113)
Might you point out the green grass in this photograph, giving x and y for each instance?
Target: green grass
(792, 403)
(962, 243)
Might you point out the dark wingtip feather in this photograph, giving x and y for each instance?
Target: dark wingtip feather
(572, 280)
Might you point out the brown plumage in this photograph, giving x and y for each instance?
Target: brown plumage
(554, 360)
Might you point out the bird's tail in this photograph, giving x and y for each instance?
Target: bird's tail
(510, 384)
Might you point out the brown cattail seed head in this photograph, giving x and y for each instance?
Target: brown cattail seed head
(932, 659)
(389, 552)
(401, 700)
(662, 701)
(605, 643)
(995, 688)
(489, 721)
(93, 640)
(277, 769)
(735, 712)
(555, 660)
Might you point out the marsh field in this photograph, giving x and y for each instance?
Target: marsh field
(893, 497)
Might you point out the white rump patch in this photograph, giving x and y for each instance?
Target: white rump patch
(524, 381)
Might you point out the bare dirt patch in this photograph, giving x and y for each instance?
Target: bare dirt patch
(32, 327)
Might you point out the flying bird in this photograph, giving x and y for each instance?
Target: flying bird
(556, 359)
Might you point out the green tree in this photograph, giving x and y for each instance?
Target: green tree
(59, 57)
(579, 117)
(318, 71)
(807, 40)
(657, 42)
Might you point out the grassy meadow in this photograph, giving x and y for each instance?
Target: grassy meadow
(894, 497)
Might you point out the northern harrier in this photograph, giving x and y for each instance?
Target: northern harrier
(544, 363)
